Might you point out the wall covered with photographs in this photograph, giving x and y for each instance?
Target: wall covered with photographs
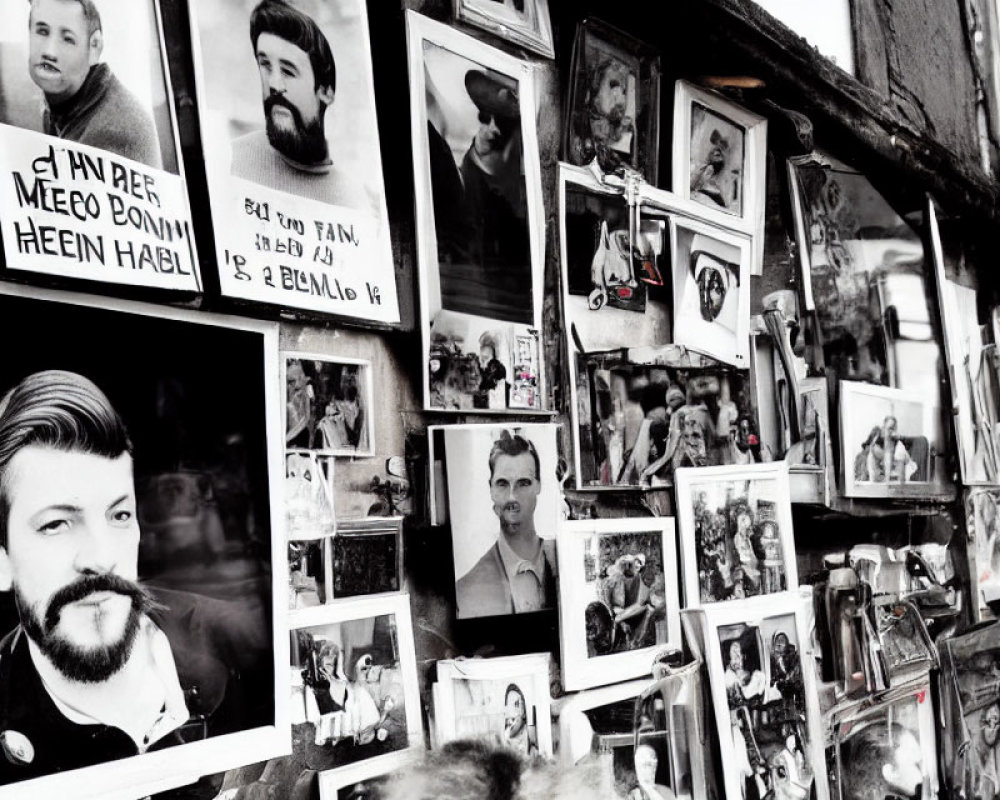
(631, 404)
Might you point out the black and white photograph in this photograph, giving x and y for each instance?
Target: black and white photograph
(170, 601)
(522, 22)
(720, 162)
(711, 271)
(361, 781)
(618, 597)
(763, 692)
(614, 105)
(354, 685)
(308, 571)
(289, 131)
(641, 771)
(981, 506)
(329, 404)
(509, 473)
(736, 532)
(635, 424)
(477, 183)
(887, 438)
(504, 701)
(309, 511)
(367, 557)
(86, 111)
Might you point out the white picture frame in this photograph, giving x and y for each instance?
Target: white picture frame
(595, 648)
(468, 304)
(530, 28)
(712, 502)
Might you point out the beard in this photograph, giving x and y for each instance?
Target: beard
(306, 143)
(78, 663)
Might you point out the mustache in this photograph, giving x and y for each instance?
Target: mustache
(142, 600)
(275, 100)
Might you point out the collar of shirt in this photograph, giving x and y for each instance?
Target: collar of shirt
(515, 565)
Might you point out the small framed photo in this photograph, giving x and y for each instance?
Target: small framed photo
(367, 557)
(982, 523)
(639, 763)
(308, 572)
(506, 472)
(720, 162)
(888, 438)
(618, 598)
(736, 532)
(764, 696)
(711, 271)
(521, 22)
(309, 512)
(362, 781)
(614, 102)
(480, 224)
(504, 700)
(888, 750)
(328, 404)
(354, 692)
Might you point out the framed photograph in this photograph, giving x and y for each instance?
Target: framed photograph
(618, 598)
(328, 404)
(614, 102)
(191, 492)
(711, 290)
(720, 162)
(367, 557)
(888, 748)
(888, 438)
(354, 695)
(308, 572)
(480, 244)
(736, 532)
(983, 527)
(508, 566)
(584, 715)
(362, 781)
(92, 184)
(292, 154)
(521, 22)
(764, 697)
(504, 700)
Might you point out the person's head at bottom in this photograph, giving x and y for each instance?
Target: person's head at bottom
(882, 760)
(69, 534)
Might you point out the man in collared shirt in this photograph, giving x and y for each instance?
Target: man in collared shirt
(517, 574)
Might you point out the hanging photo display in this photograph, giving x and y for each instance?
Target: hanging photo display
(522, 22)
(287, 110)
(480, 248)
(90, 163)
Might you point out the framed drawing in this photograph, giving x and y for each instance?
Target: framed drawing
(522, 23)
(328, 404)
(889, 441)
(618, 598)
(140, 398)
(294, 178)
(614, 102)
(354, 696)
(511, 470)
(504, 700)
(764, 697)
(362, 781)
(720, 162)
(93, 186)
(736, 532)
(480, 248)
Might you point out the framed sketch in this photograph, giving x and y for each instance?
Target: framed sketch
(198, 563)
(763, 691)
(618, 598)
(888, 441)
(93, 186)
(286, 106)
(362, 781)
(328, 404)
(480, 247)
(614, 102)
(888, 748)
(512, 471)
(736, 532)
(720, 162)
(504, 700)
(711, 271)
(354, 695)
(983, 527)
(521, 22)
(367, 557)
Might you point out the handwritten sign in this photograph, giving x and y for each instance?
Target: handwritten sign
(75, 211)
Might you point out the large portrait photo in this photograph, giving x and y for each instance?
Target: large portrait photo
(141, 534)
(86, 111)
(288, 124)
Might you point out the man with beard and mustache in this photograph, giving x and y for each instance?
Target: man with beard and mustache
(518, 573)
(298, 79)
(99, 667)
